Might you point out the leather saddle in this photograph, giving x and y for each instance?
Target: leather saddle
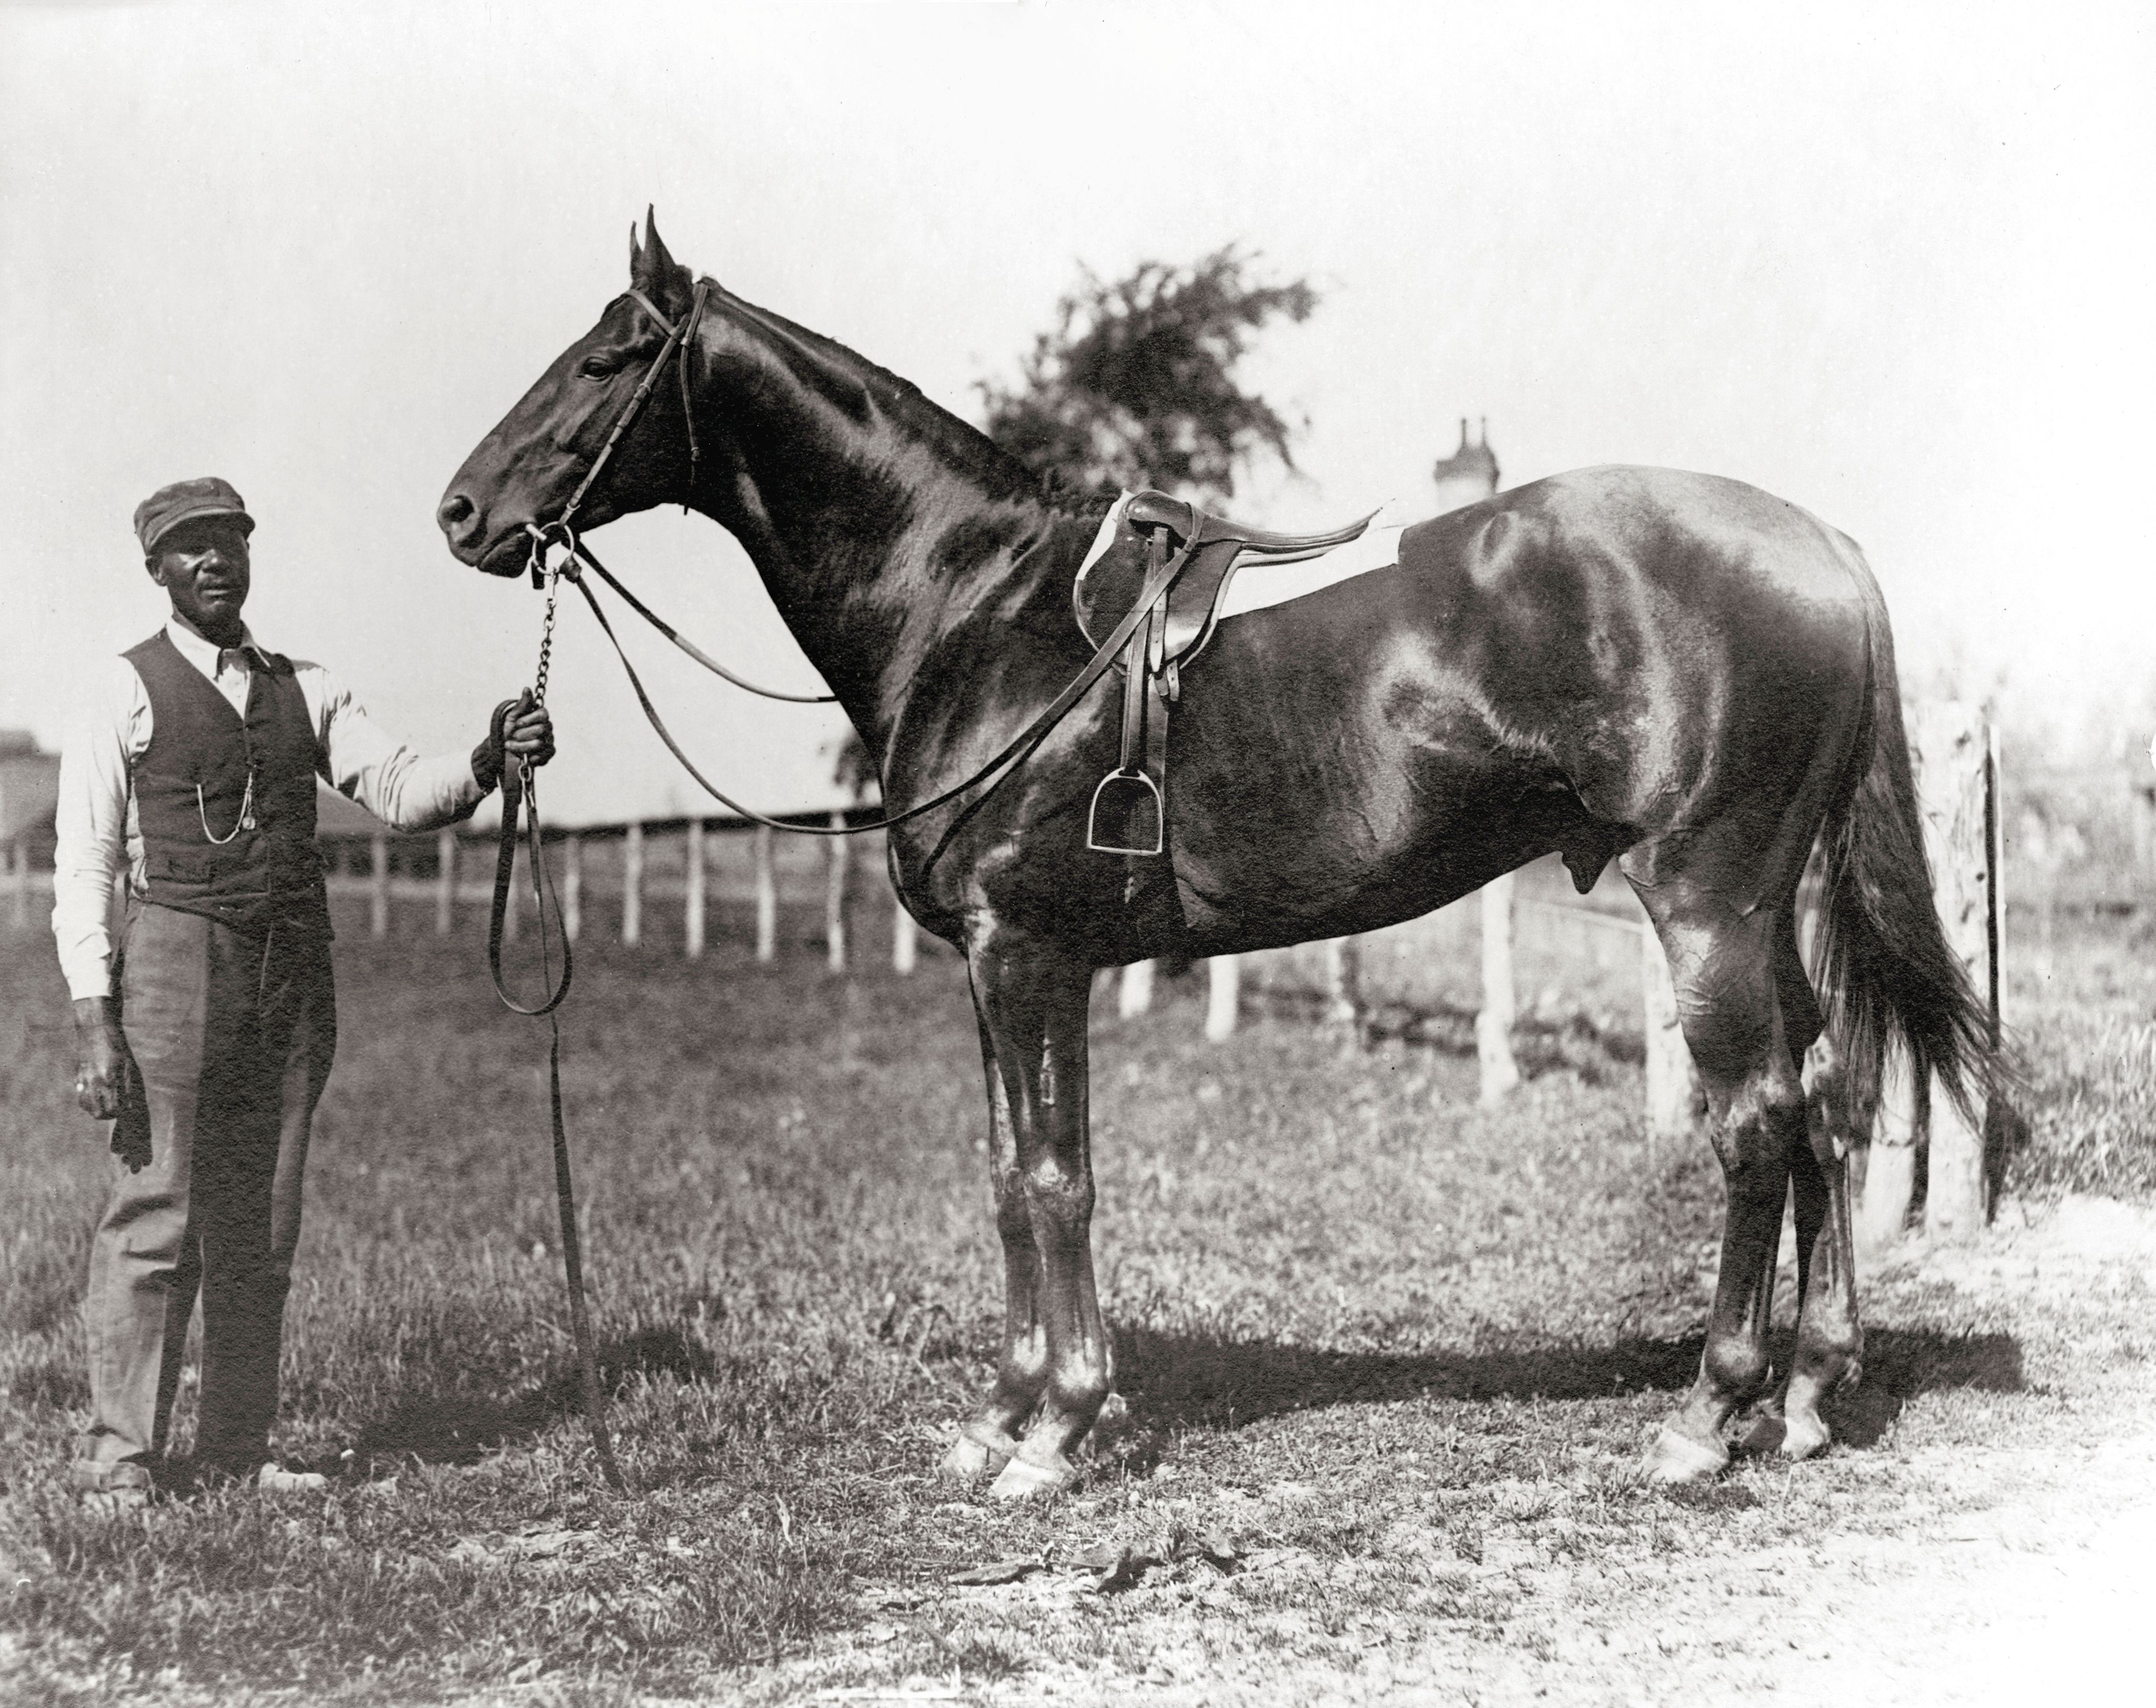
(1144, 532)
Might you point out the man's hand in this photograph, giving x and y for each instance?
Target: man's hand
(519, 729)
(98, 1057)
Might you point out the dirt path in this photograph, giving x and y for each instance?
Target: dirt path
(2036, 1581)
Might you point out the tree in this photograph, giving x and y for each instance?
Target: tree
(1135, 384)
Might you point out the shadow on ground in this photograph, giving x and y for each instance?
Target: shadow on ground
(1178, 1382)
(449, 1427)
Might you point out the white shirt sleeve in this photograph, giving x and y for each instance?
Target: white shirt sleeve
(403, 789)
(110, 730)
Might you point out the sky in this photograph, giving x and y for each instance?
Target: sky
(1896, 264)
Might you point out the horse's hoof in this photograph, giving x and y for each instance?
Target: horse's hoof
(1802, 1437)
(1025, 1478)
(980, 1450)
(1676, 1457)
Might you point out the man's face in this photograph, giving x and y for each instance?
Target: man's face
(203, 565)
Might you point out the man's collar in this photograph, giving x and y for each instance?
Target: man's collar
(204, 654)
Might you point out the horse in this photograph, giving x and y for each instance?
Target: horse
(1672, 670)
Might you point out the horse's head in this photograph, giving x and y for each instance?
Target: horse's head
(526, 471)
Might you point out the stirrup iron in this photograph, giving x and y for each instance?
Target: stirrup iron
(1129, 815)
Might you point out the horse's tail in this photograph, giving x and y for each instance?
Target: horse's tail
(1887, 977)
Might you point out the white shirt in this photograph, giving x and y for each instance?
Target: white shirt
(97, 822)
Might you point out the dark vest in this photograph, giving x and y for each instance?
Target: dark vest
(192, 793)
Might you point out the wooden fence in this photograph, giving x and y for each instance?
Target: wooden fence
(1539, 955)
(661, 883)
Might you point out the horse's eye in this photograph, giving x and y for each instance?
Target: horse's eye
(597, 367)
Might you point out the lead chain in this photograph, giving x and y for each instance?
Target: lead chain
(546, 636)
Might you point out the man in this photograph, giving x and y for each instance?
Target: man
(193, 769)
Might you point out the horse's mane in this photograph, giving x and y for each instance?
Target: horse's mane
(958, 443)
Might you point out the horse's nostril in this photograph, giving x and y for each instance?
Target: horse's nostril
(456, 515)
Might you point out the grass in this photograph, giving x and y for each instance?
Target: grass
(1389, 1360)
(2088, 1021)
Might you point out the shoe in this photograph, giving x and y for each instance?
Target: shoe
(273, 1479)
(111, 1489)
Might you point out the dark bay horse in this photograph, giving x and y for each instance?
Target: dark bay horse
(1675, 671)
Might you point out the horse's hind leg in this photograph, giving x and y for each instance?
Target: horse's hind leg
(1723, 961)
(989, 1438)
(1829, 1339)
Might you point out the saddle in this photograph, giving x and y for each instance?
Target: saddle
(1144, 532)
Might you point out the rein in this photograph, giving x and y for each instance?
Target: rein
(992, 773)
(520, 797)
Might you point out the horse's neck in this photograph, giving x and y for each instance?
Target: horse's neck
(876, 519)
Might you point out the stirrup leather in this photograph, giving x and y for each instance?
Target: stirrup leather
(1129, 813)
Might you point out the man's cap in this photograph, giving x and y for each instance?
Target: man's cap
(187, 501)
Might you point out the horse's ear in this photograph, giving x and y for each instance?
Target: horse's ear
(654, 272)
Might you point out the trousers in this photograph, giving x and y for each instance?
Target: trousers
(233, 1034)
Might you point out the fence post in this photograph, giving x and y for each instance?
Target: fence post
(572, 885)
(1880, 1205)
(21, 862)
(1223, 992)
(1134, 994)
(692, 863)
(1672, 1077)
(767, 900)
(1995, 843)
(835, 896)
(632, 885)
(445, 881)
(1953, 753)
(905, 945)
(1493, 1022)
(1343, 992)
(377, 895)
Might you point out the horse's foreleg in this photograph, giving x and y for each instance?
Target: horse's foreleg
(1032, 1001)
(990, 1438)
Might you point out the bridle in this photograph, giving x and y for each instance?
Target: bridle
(561, 532)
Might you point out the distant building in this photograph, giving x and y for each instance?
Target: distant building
(1470, 475)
